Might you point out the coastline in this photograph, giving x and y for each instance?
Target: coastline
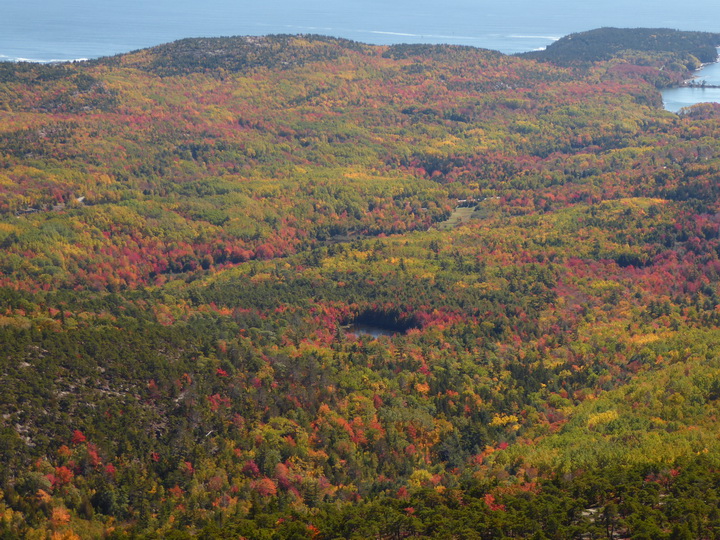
(20, 60)
(702, 87)
(697, 76)
(508, 41)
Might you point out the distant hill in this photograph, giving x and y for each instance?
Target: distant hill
(237, 53)
(606, 43)
(686, 50)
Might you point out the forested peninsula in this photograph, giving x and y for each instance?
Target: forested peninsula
(196, 237)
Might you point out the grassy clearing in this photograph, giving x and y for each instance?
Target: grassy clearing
(460, 216)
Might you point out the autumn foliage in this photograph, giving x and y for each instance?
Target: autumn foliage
(308, 288)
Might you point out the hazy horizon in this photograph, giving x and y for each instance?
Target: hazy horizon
(40, 30)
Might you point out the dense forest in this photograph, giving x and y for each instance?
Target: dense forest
(196, 238)
(687, 48)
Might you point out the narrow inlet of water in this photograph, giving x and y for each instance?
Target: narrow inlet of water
(675, 99)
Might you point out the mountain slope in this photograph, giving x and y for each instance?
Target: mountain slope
(195, 238)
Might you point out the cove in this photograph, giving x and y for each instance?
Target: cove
(675, 99)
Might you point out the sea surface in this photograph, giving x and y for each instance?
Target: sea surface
(47, 30)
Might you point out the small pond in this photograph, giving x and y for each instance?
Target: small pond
(377, 323)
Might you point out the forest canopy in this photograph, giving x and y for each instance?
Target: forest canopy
(301, 287)
(608, 43)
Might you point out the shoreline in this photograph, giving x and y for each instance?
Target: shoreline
(486, 42)
(703, 65)
(692, 81)
(20, 60)
(683, 95)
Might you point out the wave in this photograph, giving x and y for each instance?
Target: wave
(295, 26)
(485, 40)
(436, 36)
(402, 34)
(520, 36)
(424, 36)
(6, 58)
(379, 32)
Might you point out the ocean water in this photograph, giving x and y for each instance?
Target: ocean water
(48, 30)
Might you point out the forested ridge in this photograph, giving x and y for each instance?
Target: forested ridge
(640, 45)
(190, 233)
